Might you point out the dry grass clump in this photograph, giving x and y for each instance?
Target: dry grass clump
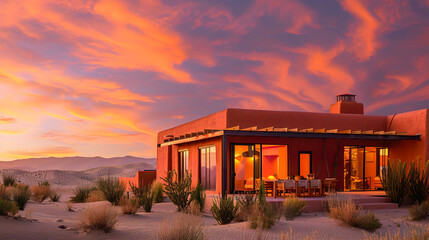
(69, 206)
(8, 208)
(182, 227)
(40, 192)
(9, 180)
(5, 193)
(293, 207)
(129, 205)
(94, 196)
(54, 196)
(194, 208)
(419, 211)
(102, 218)
(263, 214)
(21, 194)
(414, 233)
(346, 211)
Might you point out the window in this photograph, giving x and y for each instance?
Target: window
(208, 167)
(183, 163)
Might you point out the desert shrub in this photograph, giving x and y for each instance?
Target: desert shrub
(414, 233)
(9, 180)
(5, 193)
(94, 196)
(157, 190)
(54, 196)
(419, 183)
(101, 218)
(129, 205)
(181, 227)
(223, 209)
(293, 207)
(144, 196)
(111, 189)
(198, 196)
(395, 181)
(263, 214)
(40, 192)
(348, 213)
(245, 206)
(178, 190)
(21, 194)
(331, 200)
(419, 211)
(8, 208)
(81, 194)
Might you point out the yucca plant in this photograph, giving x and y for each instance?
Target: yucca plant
(419, 182)
(178, 190)
(395, 181)
(223, 209)
(111, 189)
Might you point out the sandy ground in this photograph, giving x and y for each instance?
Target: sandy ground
(45, 218)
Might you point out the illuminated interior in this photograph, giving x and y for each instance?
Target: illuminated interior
(249, 169)
(363, 166)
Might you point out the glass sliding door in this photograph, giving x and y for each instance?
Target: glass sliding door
(245, 172)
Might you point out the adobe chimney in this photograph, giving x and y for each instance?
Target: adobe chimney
(346, 104)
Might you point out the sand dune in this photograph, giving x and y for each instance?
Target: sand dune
(71, 178)
(72, 163)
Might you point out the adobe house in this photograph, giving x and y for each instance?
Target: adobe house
(226, 151)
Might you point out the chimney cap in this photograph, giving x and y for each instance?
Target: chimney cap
(346, 94)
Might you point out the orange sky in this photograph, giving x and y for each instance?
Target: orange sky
(102, 77)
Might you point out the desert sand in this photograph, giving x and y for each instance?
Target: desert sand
(41, 221)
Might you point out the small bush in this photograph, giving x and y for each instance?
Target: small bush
(246, 204)
(223, 209)
(419, 182)
(81, 194)
(21, 195)
(144, 196)
(182, 227)
(178, 190)
(5, 193)
(9, 180)
(54, 196)
(348, 213)
(198, 195)
(111, 189)
(293, 207)
(263, 214)
(102, 218)
(129, 205)
(419, 211)
(395, 181)
(157, 190)
(40, 192)
(8, 208)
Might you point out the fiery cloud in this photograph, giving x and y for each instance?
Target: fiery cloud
(99, 77)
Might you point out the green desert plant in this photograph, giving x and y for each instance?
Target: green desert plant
(21, 195)
(102, 218)
(157, 191)
(40, 192)
(144, 196)
(419, 182)
(182, 227)
(111, 189)
(263, 214)
(198, 196)
(178, 190)
(5, 193)
(419, 211)
(9, 180)
(54, 196)
(8, 208)
(395, 181)
(223, 209)
(346, 211)
(129, 205)
(81, 194)
(246, 204)
(293, 207)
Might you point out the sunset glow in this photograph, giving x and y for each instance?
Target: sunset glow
(102, 77)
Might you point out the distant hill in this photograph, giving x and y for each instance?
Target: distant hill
(72, 163)
(71, 178)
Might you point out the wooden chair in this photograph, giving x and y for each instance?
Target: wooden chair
(315, 187)
(290, 186)
(302, 187)
(330, 184)
(269, 187)
(280, 188)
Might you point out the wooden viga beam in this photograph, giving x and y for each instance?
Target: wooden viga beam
(332, 131)
(267, 129)
(233, 128)
(254, 128)
(321, 130)
(280, 130)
